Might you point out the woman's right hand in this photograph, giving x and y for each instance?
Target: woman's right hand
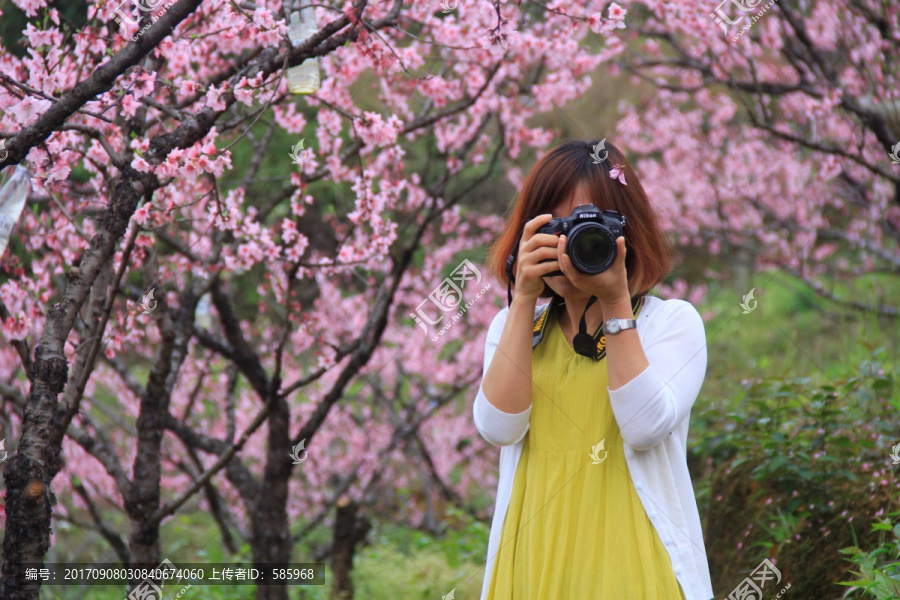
(533, 249)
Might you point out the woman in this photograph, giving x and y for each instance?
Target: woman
(594, 500)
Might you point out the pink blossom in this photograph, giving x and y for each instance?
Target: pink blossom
(288, 231)
(28, 109)
(375, 130)
(244, 96)
(213, 98)
(141, 164)
(42, 37)
(144, 84)
(618, 172)
(617, 13)
(326, 361)
(30, 6)
(141, 214)
(294, 253)
(17, 326)
(188, 87)
(273, 252)
(129, 105)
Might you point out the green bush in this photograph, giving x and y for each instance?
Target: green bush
(879, 568)
(792, 471)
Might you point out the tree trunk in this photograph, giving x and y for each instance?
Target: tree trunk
(742, 266)
(143, 499)
(30, 470)
(270, 539)
(349, 530)
(27, 478)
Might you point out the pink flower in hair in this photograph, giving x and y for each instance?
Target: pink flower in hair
(618, 172)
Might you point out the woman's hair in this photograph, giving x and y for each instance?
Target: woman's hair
(555, 179)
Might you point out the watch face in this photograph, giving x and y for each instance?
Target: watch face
(613, 327)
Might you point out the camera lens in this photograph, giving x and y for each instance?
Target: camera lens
(591, 248)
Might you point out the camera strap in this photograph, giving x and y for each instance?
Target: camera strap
(583, 342)
(510, 276)
(597, 350)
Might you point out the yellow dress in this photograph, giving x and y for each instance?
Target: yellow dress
(576, 530)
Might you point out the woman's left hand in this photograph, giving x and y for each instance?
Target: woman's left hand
(610, 286)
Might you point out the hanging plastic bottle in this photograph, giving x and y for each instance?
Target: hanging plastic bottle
(12, 200)
(304, 78)
(203, 314)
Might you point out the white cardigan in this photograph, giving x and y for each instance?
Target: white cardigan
(652, 410)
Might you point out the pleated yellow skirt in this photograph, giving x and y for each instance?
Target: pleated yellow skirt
(576, 530)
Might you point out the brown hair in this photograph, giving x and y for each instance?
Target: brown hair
(556, 177)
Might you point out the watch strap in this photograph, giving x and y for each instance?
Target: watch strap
(623, 324)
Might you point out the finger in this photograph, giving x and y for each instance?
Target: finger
(539, 240)
(620, 248)
(532, 225)
(542, 268)
(565, 262)
(534, 261)
(539, 254)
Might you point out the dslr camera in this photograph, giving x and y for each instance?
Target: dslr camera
(591, 237)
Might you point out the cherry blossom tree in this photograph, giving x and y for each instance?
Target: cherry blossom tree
(183, 314)
(769, 134)
(189, 318)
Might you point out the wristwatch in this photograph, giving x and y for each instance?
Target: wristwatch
(614, 326)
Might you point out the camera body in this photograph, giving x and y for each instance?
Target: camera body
(591, 237)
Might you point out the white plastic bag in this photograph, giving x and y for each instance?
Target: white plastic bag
(304, 78)
(12, 200)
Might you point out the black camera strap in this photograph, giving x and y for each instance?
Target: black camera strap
(583, 342)
(597, 349)
(510, 276)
